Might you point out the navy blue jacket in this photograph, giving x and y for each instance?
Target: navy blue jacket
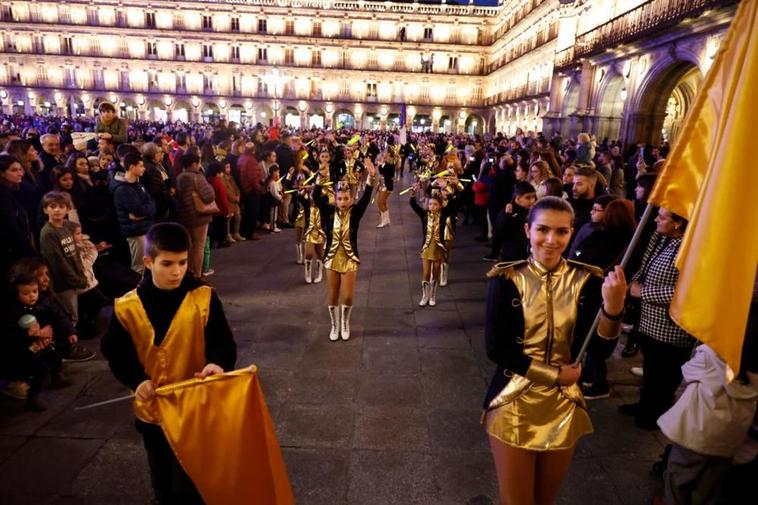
(132, 198)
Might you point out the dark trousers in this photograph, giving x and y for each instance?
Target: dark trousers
(662, 368)
(250, 213)
(90, 304)
(33, 367)
(692, 478)
(171, 483)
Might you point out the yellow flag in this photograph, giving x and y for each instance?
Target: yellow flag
(710, 178)
(223, 436)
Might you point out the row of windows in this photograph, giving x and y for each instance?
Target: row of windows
(346, 30)
(152, 50)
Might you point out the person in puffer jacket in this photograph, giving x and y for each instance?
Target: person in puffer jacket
(709, 422)
(135, 208)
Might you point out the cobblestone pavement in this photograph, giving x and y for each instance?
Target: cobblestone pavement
(389, 417)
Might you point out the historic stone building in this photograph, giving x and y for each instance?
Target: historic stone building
(618, 68)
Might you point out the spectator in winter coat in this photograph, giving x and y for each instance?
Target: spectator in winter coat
(135, 209)
(585, 151)
(156, 180)
(215, 176)
(509, 242)
(15, 233)
(194, 197)
(251, 185)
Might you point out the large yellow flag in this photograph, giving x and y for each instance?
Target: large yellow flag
(711, 177)
(223, 436)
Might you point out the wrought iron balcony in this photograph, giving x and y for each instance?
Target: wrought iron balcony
(650, 17)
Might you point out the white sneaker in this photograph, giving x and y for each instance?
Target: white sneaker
(637, 371)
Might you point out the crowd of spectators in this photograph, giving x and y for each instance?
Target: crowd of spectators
(77, 196)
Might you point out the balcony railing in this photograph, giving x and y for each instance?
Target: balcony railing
(650, 17)
(527, 91)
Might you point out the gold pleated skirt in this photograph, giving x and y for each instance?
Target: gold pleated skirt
(315, 236)
(433, 252)
(541, 418)
(341, 262)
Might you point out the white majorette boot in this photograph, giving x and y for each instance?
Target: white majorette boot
(319, 271)
(308, 278)
(387, 218)
(382, 223)
(444, 267)
(334, 333)
(424, 294)
(299, 252)
(345, 320)
(432, 293)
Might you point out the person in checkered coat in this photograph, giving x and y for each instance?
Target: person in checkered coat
(665, 346)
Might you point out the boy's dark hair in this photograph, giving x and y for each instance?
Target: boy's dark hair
(214, 168)
(125, 149)
(189, 159)
(131, 160)
(523, 188)
(22, 279)
(106, 107)
(26, 266)
(58, 197)
(273, 167)
(181, 138)
(171, 237)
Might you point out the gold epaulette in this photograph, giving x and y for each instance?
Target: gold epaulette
(597, 271)
(504, 269)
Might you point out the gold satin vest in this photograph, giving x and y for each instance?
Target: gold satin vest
(341, 236)
(433, 231)
(182, 352)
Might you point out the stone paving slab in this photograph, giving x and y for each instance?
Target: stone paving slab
(390, 417)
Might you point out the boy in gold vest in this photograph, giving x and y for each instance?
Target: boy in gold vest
(171, 328)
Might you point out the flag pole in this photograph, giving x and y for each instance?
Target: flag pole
(627, 255)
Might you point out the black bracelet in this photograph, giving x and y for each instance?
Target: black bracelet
(617, 317)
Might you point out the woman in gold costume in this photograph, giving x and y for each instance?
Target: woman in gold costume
(387, 174)
(538, 312)
(340, 220)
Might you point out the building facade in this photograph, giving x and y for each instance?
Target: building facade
(551, 65)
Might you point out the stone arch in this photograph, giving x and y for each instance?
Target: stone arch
(343, 118)
(182, 111)
(475, 124)
(569, 105)
(610, 107)
(316, 118)
(652, 100)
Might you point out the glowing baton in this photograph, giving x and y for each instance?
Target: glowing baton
(405, 191)
(354, 140)
(465, 180)
(444, 172)
(289, 191)
(449, 148)
(309, 179)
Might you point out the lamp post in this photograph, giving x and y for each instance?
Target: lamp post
(276, 81)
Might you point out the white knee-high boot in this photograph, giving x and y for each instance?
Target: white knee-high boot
(444, 268)
(424, 294)
(334, 333)
(308, 274)
(319, 271)
(387, 218)
(382, 222)
(299, 251)
(432, 293)
(345, 320)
